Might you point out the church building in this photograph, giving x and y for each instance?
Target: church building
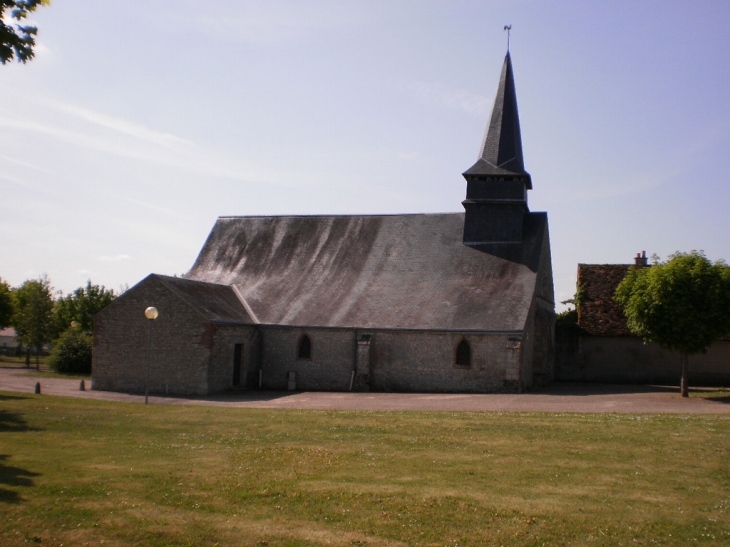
(448, 302)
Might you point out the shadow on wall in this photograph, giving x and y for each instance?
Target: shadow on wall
(10, 475)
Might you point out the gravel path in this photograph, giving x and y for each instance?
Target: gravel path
(560, 397)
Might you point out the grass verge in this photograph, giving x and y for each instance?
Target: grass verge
(77, 472)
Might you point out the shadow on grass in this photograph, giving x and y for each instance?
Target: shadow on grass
(11, 421)
(13, 476)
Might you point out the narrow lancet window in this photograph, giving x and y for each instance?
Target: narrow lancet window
(463, 354)
(305, 348)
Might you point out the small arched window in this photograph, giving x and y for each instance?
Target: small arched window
(463, 354)
(305, 348)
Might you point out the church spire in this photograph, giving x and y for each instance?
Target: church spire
(497, 184)
(501, 151)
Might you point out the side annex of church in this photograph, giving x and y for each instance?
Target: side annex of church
(451, 302)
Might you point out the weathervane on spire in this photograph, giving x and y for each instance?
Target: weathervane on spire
(508, 28)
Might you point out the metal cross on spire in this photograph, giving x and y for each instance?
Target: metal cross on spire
(508, 28)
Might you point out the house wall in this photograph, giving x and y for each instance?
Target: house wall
(627, 360)
(181, 345)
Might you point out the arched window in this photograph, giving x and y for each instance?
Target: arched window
(463, 354)
(305, 348)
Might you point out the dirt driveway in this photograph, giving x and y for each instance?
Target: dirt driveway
(560, 397)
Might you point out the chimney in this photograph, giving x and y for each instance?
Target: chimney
(640, 260)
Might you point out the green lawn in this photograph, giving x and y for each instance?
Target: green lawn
(77, 472)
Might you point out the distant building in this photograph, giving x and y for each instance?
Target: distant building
(452, 302)
(8, 341)
(602, 349)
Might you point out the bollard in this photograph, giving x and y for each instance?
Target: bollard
(82, 386)
(38, 388)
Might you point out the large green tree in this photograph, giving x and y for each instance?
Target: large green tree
(683, 304)
(80, 306)
(33, 313)
(6, 305)
(16, 39)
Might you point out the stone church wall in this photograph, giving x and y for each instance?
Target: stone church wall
(399, 361)
(425, 362)
(221, 362)
(330, 366)
(180, 347)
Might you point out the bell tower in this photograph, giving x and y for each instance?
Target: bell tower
(497, 184)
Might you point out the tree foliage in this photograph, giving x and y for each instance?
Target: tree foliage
(17, 40)
(33, 312)
(6, 305)
(72, 352)
(683, 304)
(81, 305)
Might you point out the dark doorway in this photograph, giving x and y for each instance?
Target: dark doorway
(237, 361)
(463, 354)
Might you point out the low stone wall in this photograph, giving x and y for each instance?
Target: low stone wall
(627, 360)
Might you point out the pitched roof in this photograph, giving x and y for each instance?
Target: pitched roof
(217, 303)
(501, 152)
(598, 313)
(374, 271)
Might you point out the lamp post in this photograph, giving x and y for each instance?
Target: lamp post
(151, 314)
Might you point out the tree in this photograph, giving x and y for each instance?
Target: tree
(72, 352)
(683, 305)
(17, 40)
(33, 313)
(80, 306)
(6, 305)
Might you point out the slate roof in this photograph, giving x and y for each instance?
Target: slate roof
(598, 313)
(373, 271)
(502, 146)
(217, 303)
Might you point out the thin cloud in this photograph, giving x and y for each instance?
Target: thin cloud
(117, 258)
(120, 125)
(449, 97)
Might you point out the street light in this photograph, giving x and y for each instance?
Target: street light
(151, 314)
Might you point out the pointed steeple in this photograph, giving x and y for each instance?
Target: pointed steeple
(501, 151)
(497, 184)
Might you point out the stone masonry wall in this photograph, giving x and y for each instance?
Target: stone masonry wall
(627, 360)
(425, 362)
(221, 362)
(180, 347)
(329, 369)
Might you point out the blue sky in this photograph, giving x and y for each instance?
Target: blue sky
(139, 123)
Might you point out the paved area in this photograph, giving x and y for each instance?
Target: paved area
(560, 397)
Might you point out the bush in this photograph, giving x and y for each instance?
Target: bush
(72, 352)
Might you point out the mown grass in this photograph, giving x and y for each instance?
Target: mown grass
(83, 472)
